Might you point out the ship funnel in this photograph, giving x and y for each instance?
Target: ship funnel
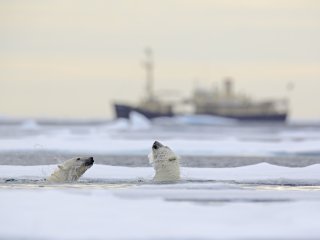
(149, 65)
(228, 86)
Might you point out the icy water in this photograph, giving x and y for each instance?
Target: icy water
(239, 181)
(127, 143)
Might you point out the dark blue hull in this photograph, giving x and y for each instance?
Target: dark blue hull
(123, 111)
(280, 117)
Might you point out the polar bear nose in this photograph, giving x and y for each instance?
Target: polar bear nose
(89, 161)
(156, 145)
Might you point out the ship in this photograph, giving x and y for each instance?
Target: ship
(215, 102)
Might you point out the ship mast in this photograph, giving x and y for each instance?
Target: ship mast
(149, 66)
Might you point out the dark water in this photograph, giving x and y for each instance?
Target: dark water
(29, 158)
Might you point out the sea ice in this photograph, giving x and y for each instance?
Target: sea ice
(122, 203)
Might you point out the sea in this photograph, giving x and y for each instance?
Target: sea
(201, 141)
(239, 180)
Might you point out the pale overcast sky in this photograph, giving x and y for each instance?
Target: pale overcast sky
(73, 58)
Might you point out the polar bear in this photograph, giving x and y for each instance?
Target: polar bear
(165, 162)
(71, 170)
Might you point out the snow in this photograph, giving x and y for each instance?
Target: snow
(112, 202)
(138, 122)
(103, 143)
(98, 214)
(136, 135)
(30, 125)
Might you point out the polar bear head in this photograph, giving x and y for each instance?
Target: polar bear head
(165, 162)
(71, 170)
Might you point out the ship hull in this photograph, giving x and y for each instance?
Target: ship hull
(258, 118)
(123, 111)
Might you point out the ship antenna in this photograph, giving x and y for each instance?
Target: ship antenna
(149, 66)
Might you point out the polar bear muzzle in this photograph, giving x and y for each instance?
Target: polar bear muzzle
(88, 162)
(156, 145)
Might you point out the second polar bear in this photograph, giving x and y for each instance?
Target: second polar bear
(71, 170)
(165, 162)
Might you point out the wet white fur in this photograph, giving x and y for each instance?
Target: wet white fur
(166, 164)
(69, 171)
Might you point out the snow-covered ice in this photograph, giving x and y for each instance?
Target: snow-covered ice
(253, 202)
(124, 137)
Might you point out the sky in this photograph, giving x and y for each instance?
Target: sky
(73, 59)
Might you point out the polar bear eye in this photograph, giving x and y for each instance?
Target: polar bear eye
(78, 159)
